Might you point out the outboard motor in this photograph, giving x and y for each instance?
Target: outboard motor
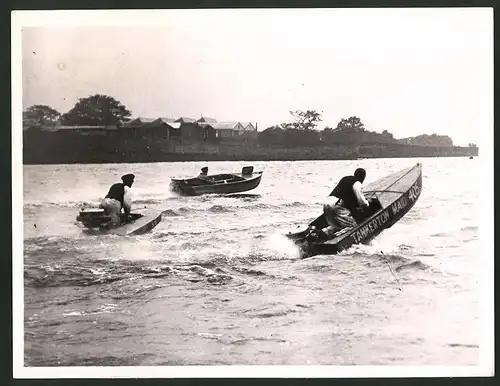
(247, 171)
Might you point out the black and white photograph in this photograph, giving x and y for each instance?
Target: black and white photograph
(253, 193)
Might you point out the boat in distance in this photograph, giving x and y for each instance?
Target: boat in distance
(223, 183)
(390, 198)
(138, 222)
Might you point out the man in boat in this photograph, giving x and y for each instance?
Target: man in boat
(118, 198)
(344, 206)
(203, 173)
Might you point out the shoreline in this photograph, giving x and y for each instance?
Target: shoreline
(70, 148)
(235, 159)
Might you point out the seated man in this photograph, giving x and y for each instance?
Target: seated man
(343, 206)
(203, 173)
(117, 198)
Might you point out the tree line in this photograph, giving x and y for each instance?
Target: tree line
(302, 130)
(95, 110)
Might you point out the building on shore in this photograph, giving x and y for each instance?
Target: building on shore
(138, 122)
(185, 120)
(228, 129)
(197, 131)
(248, 126)
(207, 120)
(202, 129)
(160, 128)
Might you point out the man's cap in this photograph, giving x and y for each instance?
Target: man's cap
(360, 173)
(128, 177)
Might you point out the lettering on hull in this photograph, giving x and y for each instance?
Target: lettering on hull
(399, 205)
(415, 190)
(371, 227)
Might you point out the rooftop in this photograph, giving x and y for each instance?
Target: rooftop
(225, 125)
(207, 120)
(185, 119)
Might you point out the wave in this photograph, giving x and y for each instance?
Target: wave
(162, 234)
(272, 310)
(66, 276)
(77, 243)
(415, 265)
(250, 271)
(155, 200)
(193, 245)
(398, 261)
(216, 208)
(184, 209)
(87, 273)
(61, 204)
(226, 207)
(296, 204)
(104, 309)
(244, 196)
(219, 209)
(170, 213)
(79, 204)
(256, 233)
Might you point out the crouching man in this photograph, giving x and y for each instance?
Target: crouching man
(118, 198)
(343, 207)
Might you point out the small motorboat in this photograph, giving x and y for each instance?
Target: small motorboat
(217, 183)
(138, 222)
(390, 199)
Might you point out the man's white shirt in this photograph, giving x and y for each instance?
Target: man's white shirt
(358, 192)
(127, 198)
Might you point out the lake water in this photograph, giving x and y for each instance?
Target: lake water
(215, 284)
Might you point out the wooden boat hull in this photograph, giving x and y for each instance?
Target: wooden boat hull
(141, 221)
(396, 194)
(216, 184)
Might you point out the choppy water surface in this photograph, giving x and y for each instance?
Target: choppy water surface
(215, 283)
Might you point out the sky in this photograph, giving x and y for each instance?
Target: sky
(408, 71)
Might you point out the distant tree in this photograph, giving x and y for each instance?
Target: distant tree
(472, 145)
(304, 120)
(97, 109)
(40, 115)
(350, 130)
(387, 135)
(300, 133)
(289, 126)
(351, 124)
